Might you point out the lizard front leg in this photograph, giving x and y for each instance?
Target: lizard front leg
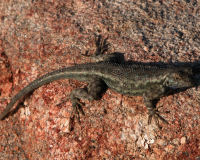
(151, 99)
(153, 111)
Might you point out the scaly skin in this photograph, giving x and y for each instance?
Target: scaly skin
(152, 81)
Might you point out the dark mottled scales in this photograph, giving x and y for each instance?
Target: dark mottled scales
(152, 81)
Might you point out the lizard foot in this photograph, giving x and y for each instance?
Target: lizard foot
(154, 113)
(101, 47)
(76, 111)
(101, 44)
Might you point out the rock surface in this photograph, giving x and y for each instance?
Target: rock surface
(39, 36)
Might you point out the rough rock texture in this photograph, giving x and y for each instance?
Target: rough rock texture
(38, 36)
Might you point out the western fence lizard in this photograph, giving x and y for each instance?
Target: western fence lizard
(152, 81)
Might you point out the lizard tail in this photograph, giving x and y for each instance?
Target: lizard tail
(70, 72)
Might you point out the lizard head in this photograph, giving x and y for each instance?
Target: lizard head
(180, 78)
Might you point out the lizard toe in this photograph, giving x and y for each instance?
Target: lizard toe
(154, 114)
(75, 114)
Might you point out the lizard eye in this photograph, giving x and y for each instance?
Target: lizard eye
(167, 83)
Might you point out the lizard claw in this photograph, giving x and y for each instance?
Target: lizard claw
(75, 114)
(101, 44)
(154, 113)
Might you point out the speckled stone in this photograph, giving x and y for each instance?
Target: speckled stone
(39, 36)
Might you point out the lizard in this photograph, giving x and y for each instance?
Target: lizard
(151, 81)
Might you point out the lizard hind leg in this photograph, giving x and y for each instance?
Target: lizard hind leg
(102, 46)
(93, 91)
